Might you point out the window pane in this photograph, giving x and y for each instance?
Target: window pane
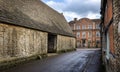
(83, 34)
(98, 34)
(78, 27)
(97, 26)
(89, 34)
(83, 27)
(89, 26)
(78, 34)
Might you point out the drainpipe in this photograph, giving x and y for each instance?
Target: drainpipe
(108, 25)
(101, 34)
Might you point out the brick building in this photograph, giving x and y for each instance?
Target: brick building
(110, 34)
(87, 32)
(29, 29)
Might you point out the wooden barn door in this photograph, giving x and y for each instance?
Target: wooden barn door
(52, 42)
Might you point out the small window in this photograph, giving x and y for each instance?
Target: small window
(89, 26)
(97, 34)
(74, 27)
(78, 34)
(83, 27)
(97, 26)
(83, 34)
(119, 28)
(78, 27)
(89, 42)
(98, 42)
(89, 34)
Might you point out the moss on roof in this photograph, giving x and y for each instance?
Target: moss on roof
(33, 14)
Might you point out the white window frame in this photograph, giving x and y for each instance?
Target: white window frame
(83, 34)
(78, 27)
(74, 26)
(119, 28)
(83, 26)
(78, 34)
(97, 34)
(89, 26)
(97, 26)
(108, 46)
(89, 34)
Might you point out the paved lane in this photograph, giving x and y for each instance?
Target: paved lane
(82, 60)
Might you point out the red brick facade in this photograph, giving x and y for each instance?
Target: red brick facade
(87, 32)
(110, 21)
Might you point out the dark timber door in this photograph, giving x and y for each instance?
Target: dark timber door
(52, 39)
(83, 42)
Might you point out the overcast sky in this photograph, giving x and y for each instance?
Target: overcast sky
(76, 8)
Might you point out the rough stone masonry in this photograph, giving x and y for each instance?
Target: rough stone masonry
(26, 28)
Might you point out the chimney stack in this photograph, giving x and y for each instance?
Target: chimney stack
(75, 19)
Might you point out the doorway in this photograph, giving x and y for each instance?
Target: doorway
(83, 42)
(52, 43)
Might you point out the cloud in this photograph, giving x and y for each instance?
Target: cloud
(76, 8)
(70, 15)
(83, 7)
(56, 5)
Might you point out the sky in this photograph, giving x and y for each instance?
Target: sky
(76, 8)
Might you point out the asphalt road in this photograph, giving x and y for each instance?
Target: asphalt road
(82, 60)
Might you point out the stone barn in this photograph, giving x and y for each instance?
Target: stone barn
(30, 27)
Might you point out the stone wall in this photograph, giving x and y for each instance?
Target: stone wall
(19, 42)
(65, 43)
(116, 18)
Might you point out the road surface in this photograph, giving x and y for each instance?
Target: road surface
(82, 60)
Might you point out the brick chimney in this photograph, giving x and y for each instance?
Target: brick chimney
(75, 19)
